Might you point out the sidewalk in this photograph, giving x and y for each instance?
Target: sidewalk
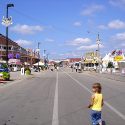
(116, 76)
(16, 76)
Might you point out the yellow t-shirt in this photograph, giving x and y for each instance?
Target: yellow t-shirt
(97, 102)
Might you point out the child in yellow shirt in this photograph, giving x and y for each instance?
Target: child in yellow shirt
(96, 104)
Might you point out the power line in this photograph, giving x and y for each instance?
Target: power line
(29, 17)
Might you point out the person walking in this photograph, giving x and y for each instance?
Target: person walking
(76, 67)
(72, 67)
(96, 104)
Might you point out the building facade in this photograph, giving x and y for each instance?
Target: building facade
(15, 51)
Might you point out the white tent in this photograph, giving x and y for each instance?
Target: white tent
(108, 58)
(40, 64)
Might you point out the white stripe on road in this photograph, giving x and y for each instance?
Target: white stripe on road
(106, 103)
(55, 120)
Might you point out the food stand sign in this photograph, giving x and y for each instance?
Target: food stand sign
(118, 58)
(90, 54)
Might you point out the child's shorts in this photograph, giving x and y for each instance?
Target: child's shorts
(95, 117)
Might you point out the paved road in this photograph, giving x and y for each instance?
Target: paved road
(59, 98)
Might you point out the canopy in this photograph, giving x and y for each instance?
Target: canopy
(2, 61)
(122, 61)
(40, 64)
(15, 61)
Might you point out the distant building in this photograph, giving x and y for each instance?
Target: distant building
(91, 58)
(73, 60)
(15, 51)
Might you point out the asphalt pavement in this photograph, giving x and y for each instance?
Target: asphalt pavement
(59, 98)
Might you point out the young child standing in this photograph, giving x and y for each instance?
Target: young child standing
(96, 104)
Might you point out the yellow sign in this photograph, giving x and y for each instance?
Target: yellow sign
(118, 58)
(90, 54)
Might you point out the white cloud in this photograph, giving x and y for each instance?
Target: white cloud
(102, 27)
(123, 44)
(71, 54)
(89, 47)
(26, 29)
(77, 24)
(91, 9)
(49, 40)
(117, 3)
(79, 41)
(119, 37)
(53, 53)
(116, 24)
(22, 42)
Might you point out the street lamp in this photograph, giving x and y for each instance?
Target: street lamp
(7, 18)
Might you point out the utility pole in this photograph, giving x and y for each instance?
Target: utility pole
(47, 56)
(44, 56)
(98, 42)
(38, 54)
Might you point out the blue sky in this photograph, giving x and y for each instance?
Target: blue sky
(67, 28)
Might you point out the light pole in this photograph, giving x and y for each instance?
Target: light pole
(7, 8)
(98, 42)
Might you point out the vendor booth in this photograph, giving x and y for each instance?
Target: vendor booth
(117, 58)
(91, 61)
(14, 65)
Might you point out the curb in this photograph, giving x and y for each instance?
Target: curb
(114, 77)
(7, 84)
